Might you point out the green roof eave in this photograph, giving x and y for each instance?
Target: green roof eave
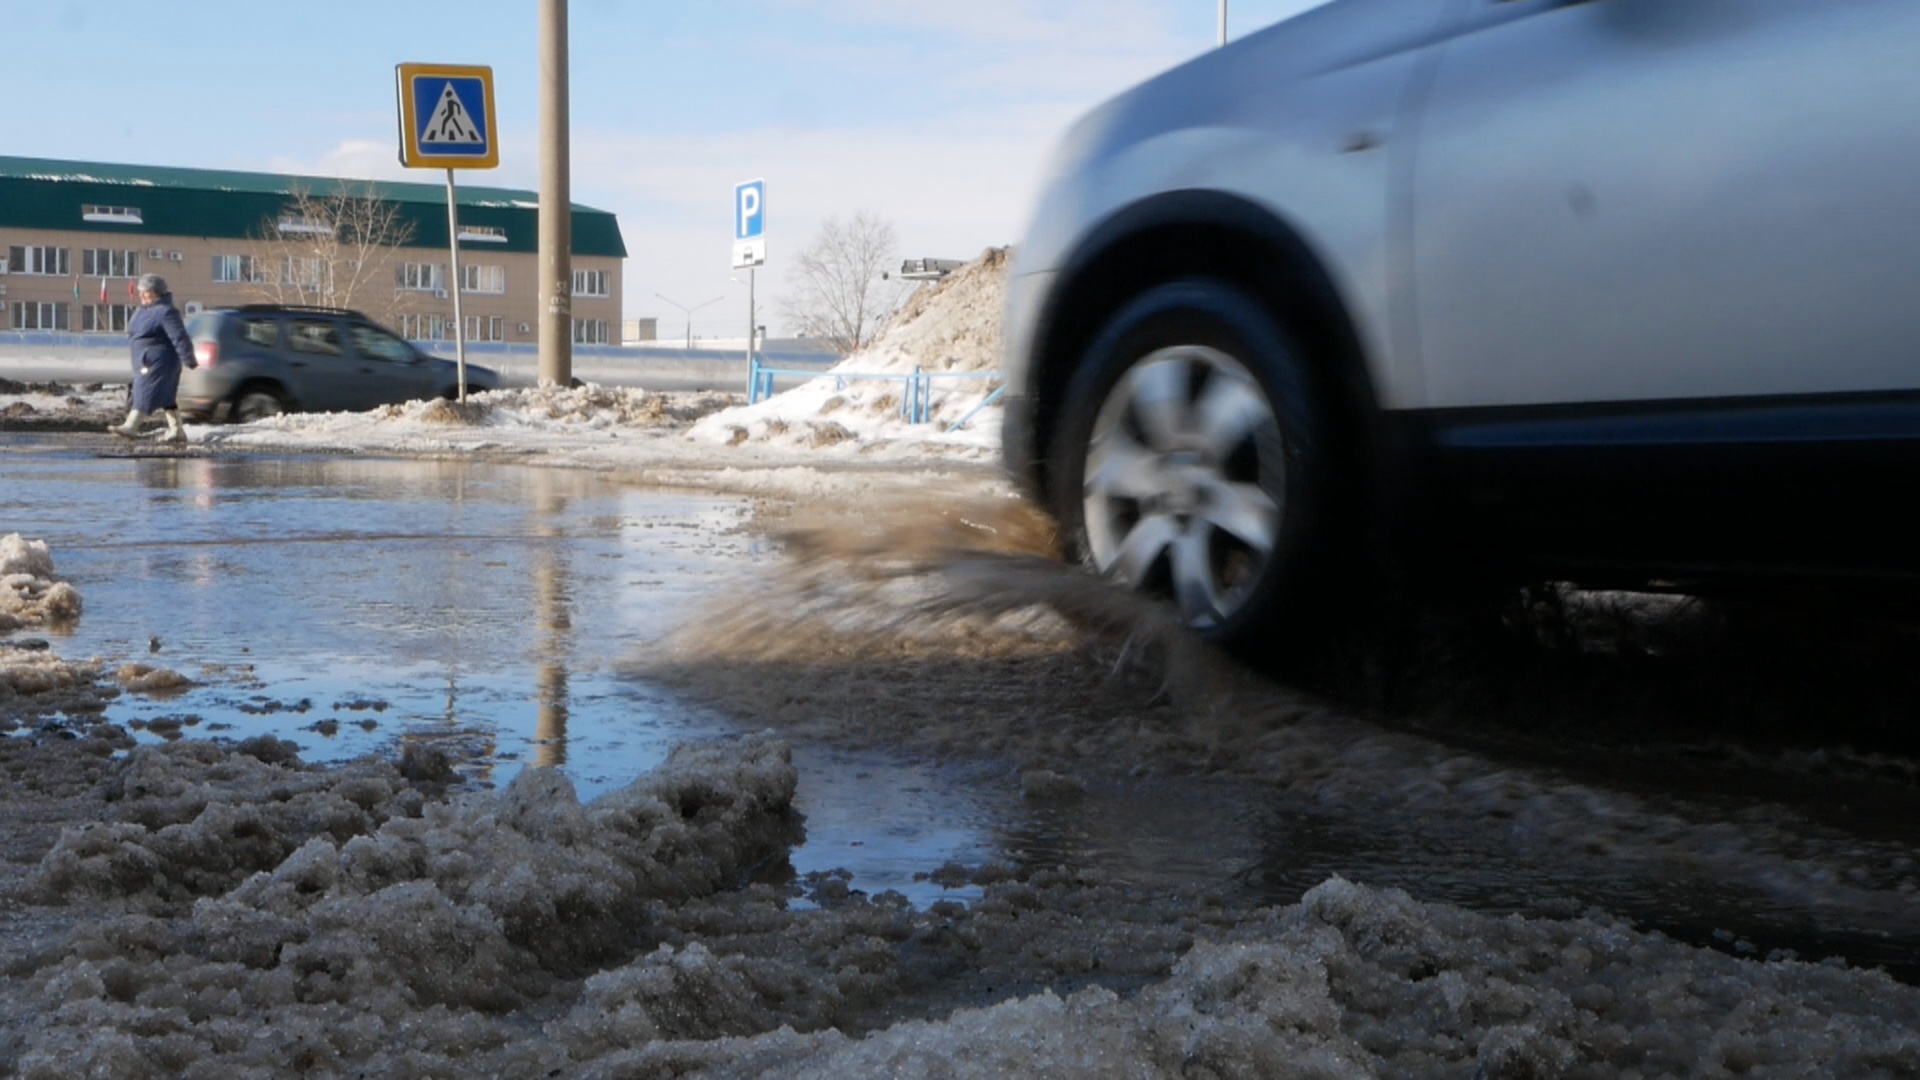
(40, 193)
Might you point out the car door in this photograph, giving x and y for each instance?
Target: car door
(387, 370)
(319, 370)
(1670, 200)
(1661, 254)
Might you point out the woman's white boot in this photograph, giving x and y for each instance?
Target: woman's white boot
(131, 428)
(176, 431)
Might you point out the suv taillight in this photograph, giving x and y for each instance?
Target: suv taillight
(205, 353)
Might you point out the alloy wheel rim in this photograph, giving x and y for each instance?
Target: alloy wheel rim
(1184, 490)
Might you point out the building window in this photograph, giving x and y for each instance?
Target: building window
(590, 282)
(234, 268)
(486, 234)
(106, 262)
(28, 315)
(302, 273)
(483, 328)
(426, 327)
(104, 318)
(590, 331)
(112, 215)
(419, 277)
(39, 260)
(483, 279)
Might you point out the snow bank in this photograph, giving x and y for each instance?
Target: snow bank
(277, 915)
(257, 917)
(579, 423)
(59, 405)
(950, 327)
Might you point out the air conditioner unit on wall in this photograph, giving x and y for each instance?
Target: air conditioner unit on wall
(174, 256)
(153, 253)
(523, 328)
(3, 266)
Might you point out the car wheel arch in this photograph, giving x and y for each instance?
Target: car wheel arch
(260, 385)
(1204, 235)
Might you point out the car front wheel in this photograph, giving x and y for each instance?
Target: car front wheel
(1189, 462)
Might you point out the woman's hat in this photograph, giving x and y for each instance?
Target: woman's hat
(153, 283)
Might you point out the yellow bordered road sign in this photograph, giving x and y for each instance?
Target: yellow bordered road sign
(446, 116)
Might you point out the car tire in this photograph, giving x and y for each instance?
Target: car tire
(257, 403)
(1191, 461)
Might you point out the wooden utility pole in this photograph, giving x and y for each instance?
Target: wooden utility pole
(556, 200)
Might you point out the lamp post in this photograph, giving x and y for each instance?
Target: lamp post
(1223, 22)
(689, 312)
(556, 206)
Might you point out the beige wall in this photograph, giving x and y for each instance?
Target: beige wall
(191, 278)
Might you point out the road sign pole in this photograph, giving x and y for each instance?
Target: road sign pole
(447, 121)
(749, 331)
(453, 249)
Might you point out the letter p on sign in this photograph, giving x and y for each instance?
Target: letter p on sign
(749, 210)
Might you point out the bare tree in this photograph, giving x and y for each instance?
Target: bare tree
(839, 293)
(338, 250)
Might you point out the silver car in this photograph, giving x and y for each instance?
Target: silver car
(1619, 292)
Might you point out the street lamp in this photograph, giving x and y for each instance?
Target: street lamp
(1223, 22)
(689, 312)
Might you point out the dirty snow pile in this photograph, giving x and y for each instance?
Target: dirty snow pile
(549, 420)
(32, 597)
(235, 912)
(586, 407)
(949, 328)
(29, 593)
(25, 403)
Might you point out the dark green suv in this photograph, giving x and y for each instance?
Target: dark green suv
(265, 359)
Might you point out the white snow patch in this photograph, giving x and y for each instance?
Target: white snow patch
(949, 330)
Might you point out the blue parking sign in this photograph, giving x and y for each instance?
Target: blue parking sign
(750, 210)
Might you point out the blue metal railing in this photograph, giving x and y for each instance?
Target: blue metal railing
(916, 397)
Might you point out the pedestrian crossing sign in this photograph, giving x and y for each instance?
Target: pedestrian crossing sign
(446, 116)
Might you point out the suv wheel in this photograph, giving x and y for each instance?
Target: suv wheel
(257, 403)
(1190, 463)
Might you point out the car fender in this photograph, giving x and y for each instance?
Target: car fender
(1280, 164)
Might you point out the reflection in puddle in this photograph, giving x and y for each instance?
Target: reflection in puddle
(349, 605)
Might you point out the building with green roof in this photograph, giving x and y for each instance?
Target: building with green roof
(74, 235)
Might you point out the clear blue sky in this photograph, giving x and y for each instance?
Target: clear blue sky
(935, 116)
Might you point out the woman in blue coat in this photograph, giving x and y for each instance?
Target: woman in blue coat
(161, 348)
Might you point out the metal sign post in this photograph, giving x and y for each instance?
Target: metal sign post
(750, 249)
(446, 121)
(453, 260)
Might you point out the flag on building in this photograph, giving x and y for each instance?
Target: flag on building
(103, 290)
(76, 286)
(132, 292)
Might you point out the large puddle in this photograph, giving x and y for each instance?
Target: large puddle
(349, 604)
